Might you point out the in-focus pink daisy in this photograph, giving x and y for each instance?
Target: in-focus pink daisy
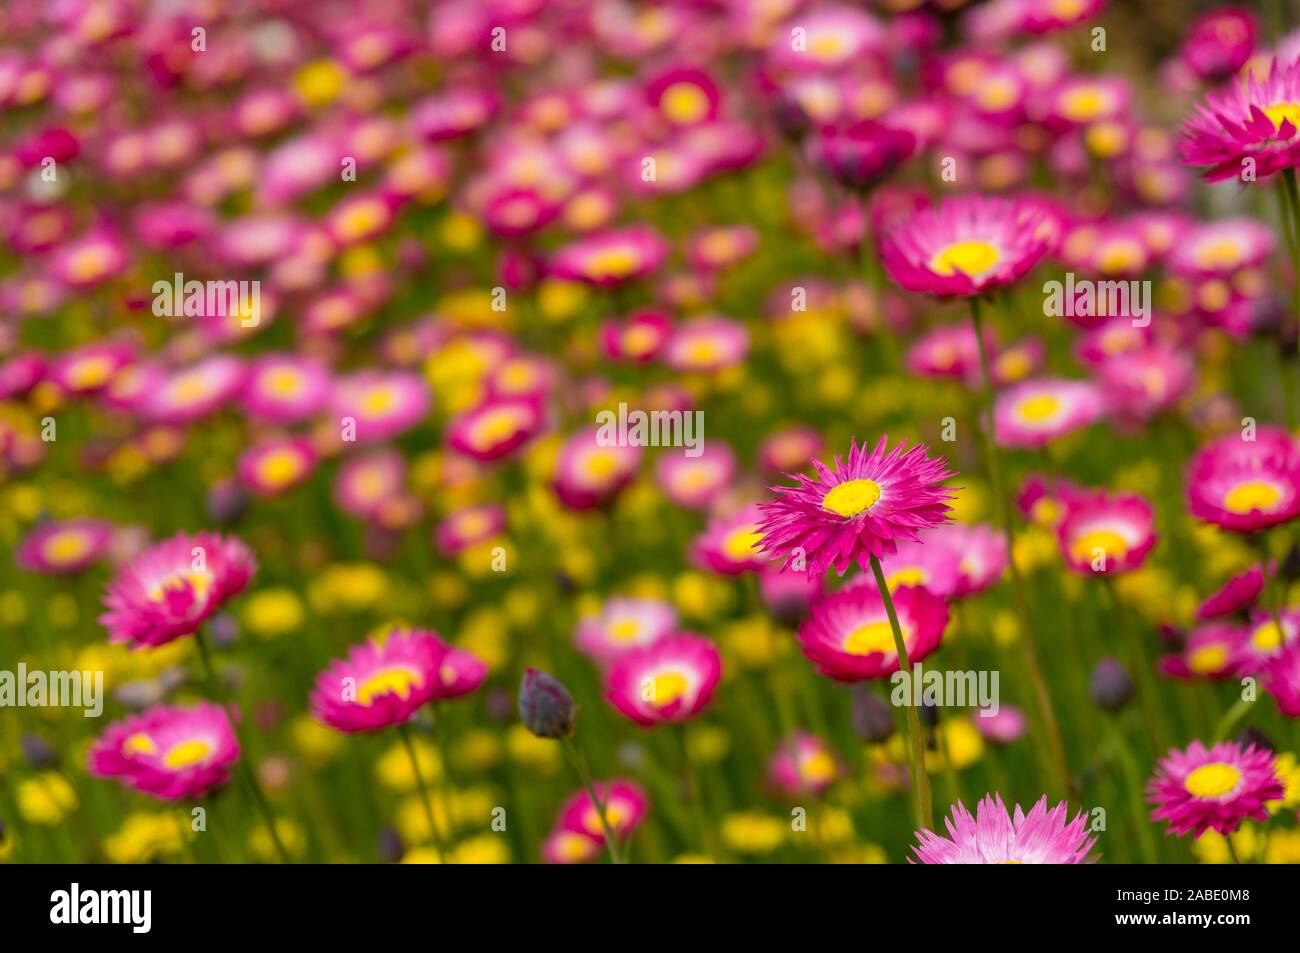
(995, 836)
(622, 624)
(1254, 119)
(966, 245)
(170, 752)
(1107, 534)
(849, 638)
(803, 764)
(1213, 788)
(1034, 413)
(858, 509)
(171, 588)
(670, 680)
(59, 547)
(1246, 485)
(383, 683)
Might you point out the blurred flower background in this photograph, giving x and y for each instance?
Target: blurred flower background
(312, 316)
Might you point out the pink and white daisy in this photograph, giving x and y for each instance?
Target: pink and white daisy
(193, 392)
(1208, 651)
(1219, 43)
(670, 680)
(364, 482)
(589, 474)
(1213, 788)
(469, 526)
(623, 624)
(849, 638)
(858, 509)
(383, 682)
(380, 404)
(803, 764)
(625, 804)
(966, 245)
(731, 544)
(496, 428)
(611, 257)
(284, 388)
(1222, 248)
(995, 836)
(62, 547)
(171, 588)
(1262, 640)
(171, 752)
(979, 552)
(274, 466)
(1246, 485)
(1034, 413)
(1107, 534)
(705, 345)
(694, 481)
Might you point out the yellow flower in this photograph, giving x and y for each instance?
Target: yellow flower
(319, 82)
(478, 750)
(46, 799)
(829, 826)
(1006, 629)
(699, 596)
(393, 769)
(750, 832)
(1035, 547)
(1283, 847)
(1287, 770)
(559, 300)
(542, 754)
(315, 743)
(350, 587)
(291, 836)
(708, 744)
(483, 849)
(1211, 848)
(273, 612)
(754, 642)
(420, 855)
(460, 232)
(144, 836)
(860, 854)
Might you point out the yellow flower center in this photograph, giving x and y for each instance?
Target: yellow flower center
(91, 372)
(600, 465)
(280, 467)
(187, 754)
(1108, 541)
(284, 382)
(667, 687)
(1084, 103)
(1220, 253)
(740, 544)
(1040, 408)
(1253, 495)
(399, 681)
(617, 262)
(851, 497)
(624, 630)
(496, 427)
(826, 46)
(65, 546)
(971, 258)
(1213, 780)
(684, 103)
(1279, 113)
(362, 218)
(818, 766)
(378, 401)
(869, 639)
(1268, 637)
(1207, 659)
(908, 576)
(138, 743)
(198, 582)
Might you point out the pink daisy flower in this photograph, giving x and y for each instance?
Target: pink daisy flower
(383, 683)
(612, 257)
(1246, 485)
(1142, 383)
(995, 836)
(381, 405)
(624, 624)
(171, 588)
(1034, 413)
(364, 482)
(570, 847)
(1222, 248)
(918, 563)
(170, 752)
(1209, 651)
(731, 544)
(1199, 789)
(863, 153)
(61, 547)
(1262, 640)
(589, 474)
(1107, 534)
(967, 245)
(849, 638)
(496, 428)
(670, 680)
(979, 552)
(684, 96)
(284, 388)
(194, 392)
(803, 764)
(625, 805)
(1219, 43)
(1007, 725)
(858, 509)
(274, 466)
(640, 338)
(469, 526)
(695, 482)
(1281, 679)
(1239, 592)
(790, 449)
(705, 345)
(1258, 120)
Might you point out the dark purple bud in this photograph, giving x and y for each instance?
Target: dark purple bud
(227, 502)
(1112, 688)
(872, 718)
(40, 754)
(546, 707)
(864, 153)
(1253, 736)
(391, 848)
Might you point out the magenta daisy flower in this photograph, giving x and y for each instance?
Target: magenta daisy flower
(380, 405)
(624, 624)
(1264, 638)
(1034, 413)
(1246, 485)
(1222, 248)
(1219, 43)
(967, 245)
(1107, 534)
(858, 509)
(731, 544)
(60, 547)
(849, 638)
(469, 526)
(1239, 592)
(1281, 679)
(612, 257)
(1247, 120)
(168, 590)
(803, 764)
(274, 466)
(383, 683)
(170, 752)
(1209, 651)
(995, 836)
(625, 804)
(283, 388)
(670, 680)
(1199, 789)
(496, 428)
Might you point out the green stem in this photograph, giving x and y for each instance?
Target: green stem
(924, 810)
(1230, 719)
(250, 775)
(1137, 656)
(579, 761)
(404, 732)
(1293, 196)
(1133, 786)
(1002, 508)
(695, 792)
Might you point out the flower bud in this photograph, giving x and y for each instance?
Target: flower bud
(1112, 688)
(872, 719)
(545, 706)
